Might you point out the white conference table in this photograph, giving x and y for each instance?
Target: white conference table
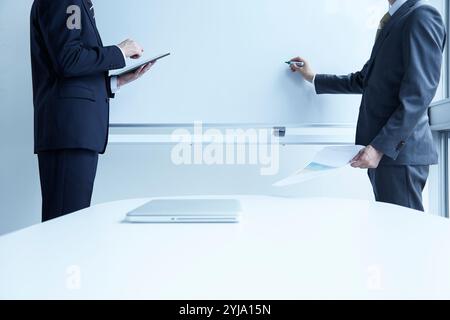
(283, 249)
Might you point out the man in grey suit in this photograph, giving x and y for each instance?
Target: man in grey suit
(398, 84)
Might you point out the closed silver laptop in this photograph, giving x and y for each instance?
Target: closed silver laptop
(187, 211)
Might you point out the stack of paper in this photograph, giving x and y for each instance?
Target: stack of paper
(326, 161)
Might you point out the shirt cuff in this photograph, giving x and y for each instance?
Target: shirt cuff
(124, 56)
(114, 85)
(312, 83)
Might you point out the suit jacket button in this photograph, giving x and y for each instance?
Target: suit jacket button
(106, 100)
(401, 145)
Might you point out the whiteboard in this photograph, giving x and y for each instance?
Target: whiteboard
(227, 63)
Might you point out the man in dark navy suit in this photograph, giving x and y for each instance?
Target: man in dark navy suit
(398, 84)
(72, 90)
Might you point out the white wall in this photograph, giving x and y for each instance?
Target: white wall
(19, 183)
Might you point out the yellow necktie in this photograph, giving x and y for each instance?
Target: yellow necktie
(383, 23)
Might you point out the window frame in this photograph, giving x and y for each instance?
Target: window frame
(440, 123)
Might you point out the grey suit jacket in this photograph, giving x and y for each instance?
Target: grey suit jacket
(398, 84)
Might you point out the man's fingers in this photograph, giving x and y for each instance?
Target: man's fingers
(138, 71)
(365, 157)
(297, 59)
(357, 157)
(355, 165)
(141, 69)
(361, 160)
(138, 52)
(360, 165)
(295, 68)
(147, 67)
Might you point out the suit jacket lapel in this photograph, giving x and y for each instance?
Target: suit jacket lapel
(387, 29)
(91, 18)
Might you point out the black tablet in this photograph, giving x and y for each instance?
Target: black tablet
(137, 66)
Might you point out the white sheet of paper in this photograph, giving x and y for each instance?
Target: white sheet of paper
(337, 156)
(326, 161)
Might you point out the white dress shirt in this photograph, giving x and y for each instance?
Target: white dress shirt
(114, 81)
(392, 10)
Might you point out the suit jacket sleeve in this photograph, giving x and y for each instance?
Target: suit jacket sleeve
(70, 56)
(423, 44)
(350, 84)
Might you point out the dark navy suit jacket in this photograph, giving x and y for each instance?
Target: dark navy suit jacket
(70, 78)
(398, 85)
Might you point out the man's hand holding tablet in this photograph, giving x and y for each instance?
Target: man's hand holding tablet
(130, 74)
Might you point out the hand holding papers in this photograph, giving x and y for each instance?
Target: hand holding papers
(326, 161)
